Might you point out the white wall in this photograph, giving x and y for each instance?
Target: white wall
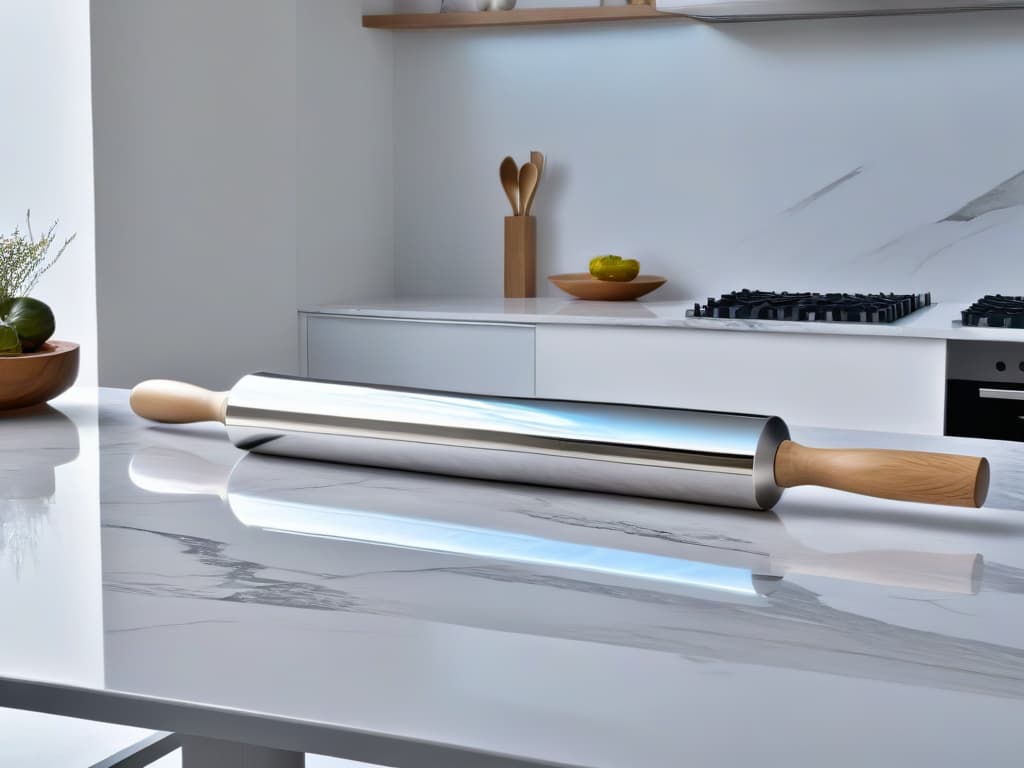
(46, 152)
(243, 167)
(194, 110)
(700, 149)
(345, 242)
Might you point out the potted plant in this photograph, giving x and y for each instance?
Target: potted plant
(33, 369)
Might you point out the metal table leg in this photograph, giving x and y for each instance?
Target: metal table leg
(142, 753)
(199, 752)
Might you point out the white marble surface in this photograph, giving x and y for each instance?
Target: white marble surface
(836, 631)
(939, 321)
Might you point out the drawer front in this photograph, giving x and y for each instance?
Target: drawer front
(846, 382)
(482, 358)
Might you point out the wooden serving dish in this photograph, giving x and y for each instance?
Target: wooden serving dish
(583, 285)
(39, 376)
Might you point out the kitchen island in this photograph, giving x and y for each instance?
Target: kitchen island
(826, 374)
(154, 575)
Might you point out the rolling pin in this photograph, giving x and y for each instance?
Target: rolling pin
(704, 457)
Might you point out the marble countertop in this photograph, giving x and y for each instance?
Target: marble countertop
(157, 576)
(938, 321)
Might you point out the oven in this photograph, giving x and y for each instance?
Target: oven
(985, 389)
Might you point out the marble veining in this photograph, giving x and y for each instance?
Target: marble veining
(830, 187)
(232, 580)
(832, 640)
(632, 528)
(1004, 578)
(1008, 194)
(923, 262)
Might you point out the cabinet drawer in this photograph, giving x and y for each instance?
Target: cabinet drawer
(484, 358)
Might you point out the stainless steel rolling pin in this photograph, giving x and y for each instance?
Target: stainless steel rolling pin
(698, 456)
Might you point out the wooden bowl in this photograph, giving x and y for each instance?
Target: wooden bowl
(39, 376)
(583, 285)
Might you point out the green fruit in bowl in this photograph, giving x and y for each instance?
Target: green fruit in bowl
(31, 318)
(614, 268)
(10, 344)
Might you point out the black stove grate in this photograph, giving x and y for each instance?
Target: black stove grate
(812, 307)
(995, 312)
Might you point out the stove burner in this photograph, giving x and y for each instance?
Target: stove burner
(812, 307)
(995, 312)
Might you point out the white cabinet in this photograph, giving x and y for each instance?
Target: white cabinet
(848, 382)
(483, 358)
(890, 384)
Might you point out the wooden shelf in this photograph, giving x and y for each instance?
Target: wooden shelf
(723, 11)
(674, 10)
(515, 18)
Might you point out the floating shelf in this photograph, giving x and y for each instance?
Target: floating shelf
(675, 10)
(521, 17)
(722, 11)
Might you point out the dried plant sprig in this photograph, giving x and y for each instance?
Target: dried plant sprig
(24, 260)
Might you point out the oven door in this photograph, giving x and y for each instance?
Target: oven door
(985, 409)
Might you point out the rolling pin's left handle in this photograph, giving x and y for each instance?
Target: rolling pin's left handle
(174, 402)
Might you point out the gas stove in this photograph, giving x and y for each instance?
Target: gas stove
(995, 312)
(812, 307)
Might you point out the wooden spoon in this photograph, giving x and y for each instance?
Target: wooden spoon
(537, 158)
(528, 177)
(509, 173)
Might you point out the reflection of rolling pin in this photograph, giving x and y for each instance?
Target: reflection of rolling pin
(261, 493)
(698, 456)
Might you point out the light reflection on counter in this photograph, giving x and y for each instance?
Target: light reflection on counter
(448, 538)
(261, 492)
(50, 564)
(28, 478)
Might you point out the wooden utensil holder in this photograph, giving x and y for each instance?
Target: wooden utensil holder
(520, 257)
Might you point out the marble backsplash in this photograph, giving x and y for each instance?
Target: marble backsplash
(857, 154)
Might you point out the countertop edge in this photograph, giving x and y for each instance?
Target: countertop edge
(939, 321)
(245, 726)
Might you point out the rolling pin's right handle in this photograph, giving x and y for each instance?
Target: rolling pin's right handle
(932, 478)
(174, 402)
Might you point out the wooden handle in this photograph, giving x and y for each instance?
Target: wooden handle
(932, 478)
(174, 402)
(520, 257)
